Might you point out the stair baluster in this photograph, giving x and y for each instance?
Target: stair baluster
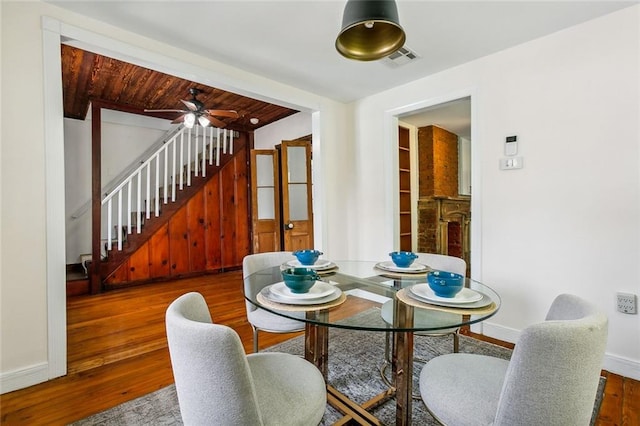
(166, 176)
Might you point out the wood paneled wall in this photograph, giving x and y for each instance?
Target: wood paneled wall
(209, 233)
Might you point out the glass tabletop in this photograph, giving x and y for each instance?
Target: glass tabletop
(364, 295)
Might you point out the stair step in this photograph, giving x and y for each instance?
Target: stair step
(75, 271)
(77, 280)
(78, 287)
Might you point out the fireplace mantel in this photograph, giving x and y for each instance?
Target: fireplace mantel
(443, 226)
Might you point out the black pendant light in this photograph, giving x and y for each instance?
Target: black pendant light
(370, 30)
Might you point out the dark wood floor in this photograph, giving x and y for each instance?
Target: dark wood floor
(117, 351)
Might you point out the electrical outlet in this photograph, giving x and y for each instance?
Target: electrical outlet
(627, 303)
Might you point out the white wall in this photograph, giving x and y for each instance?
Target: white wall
(122, 142)
(292, 127)
(23, 304)
(569, 221)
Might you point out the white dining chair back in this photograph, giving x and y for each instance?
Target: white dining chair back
(443, 262)
(551, 379)
(260, 319)
(218, 384)
(422, 316)
(555, 368)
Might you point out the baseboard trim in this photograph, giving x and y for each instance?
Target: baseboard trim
(622, 366)
(500, 332)
(612, 363)
(23, 378)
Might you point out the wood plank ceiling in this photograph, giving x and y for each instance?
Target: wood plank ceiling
(87, 76)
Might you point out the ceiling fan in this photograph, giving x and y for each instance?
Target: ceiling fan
(196, 112)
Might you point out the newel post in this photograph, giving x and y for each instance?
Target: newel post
(95, 280)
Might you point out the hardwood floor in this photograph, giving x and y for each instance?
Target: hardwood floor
(117, 351)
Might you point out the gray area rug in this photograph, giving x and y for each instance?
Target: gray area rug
(354, 361)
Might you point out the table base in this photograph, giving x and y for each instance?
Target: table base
(317, 352)
(354, 413)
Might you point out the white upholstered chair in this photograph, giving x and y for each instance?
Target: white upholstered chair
(259, 318)
(422, 316)
(551, 379)
(218, 384)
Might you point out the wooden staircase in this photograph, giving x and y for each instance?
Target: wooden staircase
(205, 230)
(115, 258)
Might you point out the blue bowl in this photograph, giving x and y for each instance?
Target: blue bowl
(445, 284)
(299, 280)
(307, 257)
(403, 259)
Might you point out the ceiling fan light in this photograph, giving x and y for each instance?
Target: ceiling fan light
(370, 30)
(189, 120)
(204, 122)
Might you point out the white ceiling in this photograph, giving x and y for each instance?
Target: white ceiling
(293, 41)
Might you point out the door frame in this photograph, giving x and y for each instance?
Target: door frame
(54, 33)
(392, 119)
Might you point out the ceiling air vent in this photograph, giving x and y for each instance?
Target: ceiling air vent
(401, 56)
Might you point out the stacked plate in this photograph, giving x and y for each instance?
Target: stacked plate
(466, 298)
(320, 265)
(414, 268)
(321, 292)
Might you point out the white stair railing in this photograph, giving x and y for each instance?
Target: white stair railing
(86, 206)
(188, 149)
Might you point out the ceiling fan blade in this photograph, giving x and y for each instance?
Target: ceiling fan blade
(179, 119)
(223, 113)
(191, 105)
(215, 122)
(165, 110)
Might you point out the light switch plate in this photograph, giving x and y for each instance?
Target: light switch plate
(511, 163)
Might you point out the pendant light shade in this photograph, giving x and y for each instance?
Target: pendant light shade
(370, 30)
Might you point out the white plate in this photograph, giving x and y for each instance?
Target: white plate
(414, 268)
(266, 292)
(318, 290)
(466, 295)
(450, 301)
(320, 264)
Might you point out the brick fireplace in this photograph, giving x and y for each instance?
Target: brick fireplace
(444, 216)
(443, 226)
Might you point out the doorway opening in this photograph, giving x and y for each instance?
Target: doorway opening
(440, 178)
(54, 33)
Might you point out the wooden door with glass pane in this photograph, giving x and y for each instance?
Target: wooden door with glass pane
(265, 200)
(297, 202)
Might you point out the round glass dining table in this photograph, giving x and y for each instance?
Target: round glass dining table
(349, 288)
